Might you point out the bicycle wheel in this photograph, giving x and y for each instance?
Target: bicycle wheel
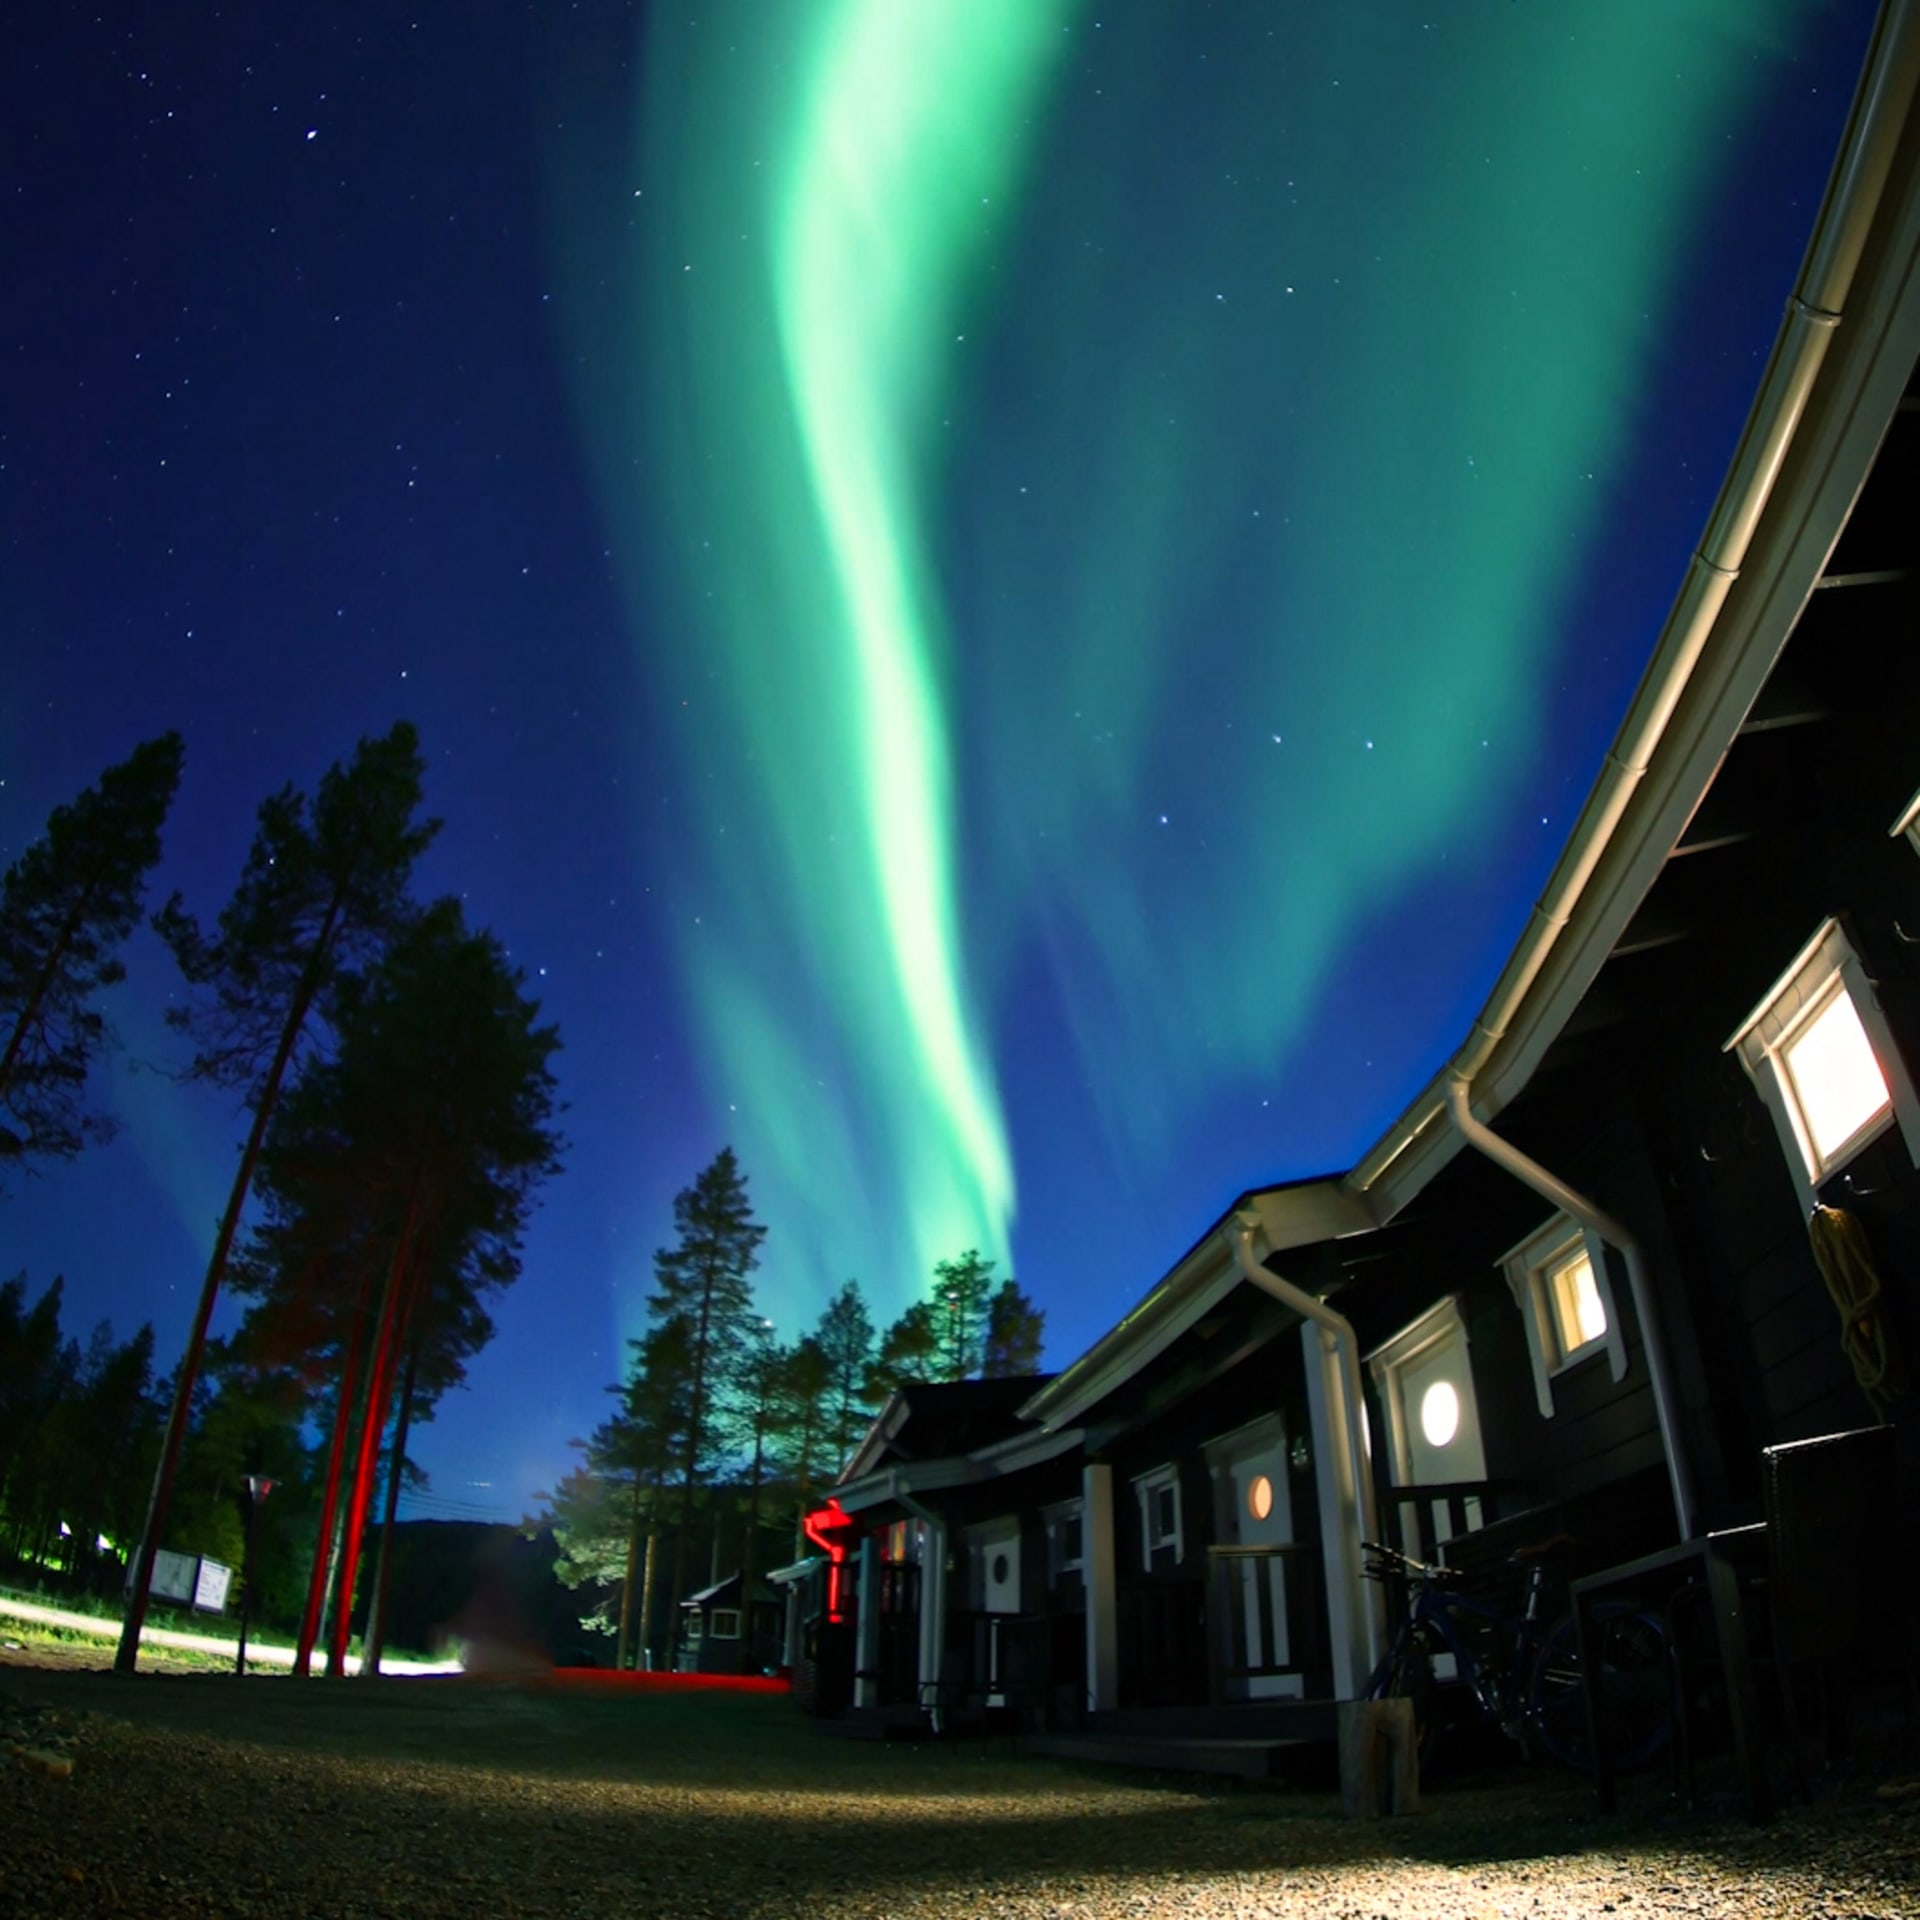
(1630, 1654)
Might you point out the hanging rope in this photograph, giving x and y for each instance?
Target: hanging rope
(1846, 1264)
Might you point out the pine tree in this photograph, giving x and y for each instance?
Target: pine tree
(67, 906)
(701, 1282)
(1015, 1331)
(961, 1289)
(324, 888)
(401, 1170)
(844, 1336)
(808, 1455)
(909, 1350)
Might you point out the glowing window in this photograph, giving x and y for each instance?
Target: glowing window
(1836, 1082)
(1822, 1057)
(1260, 1497)
(1439, 1413)
(1559, 1281)
(1579, 1314)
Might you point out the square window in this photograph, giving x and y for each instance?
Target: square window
(1066, 1538)
(1559, 1281)
(1579, 1314)
(1159, 1496)
(1835, 1080)
(1822, 1057)
(726, 1623)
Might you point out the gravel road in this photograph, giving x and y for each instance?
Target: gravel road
(266, 1798)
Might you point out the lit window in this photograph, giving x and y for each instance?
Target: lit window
(1822, 1057)
(1837, 1083)
(1440, 1413)
(1579, 1314)
(726, 1623)
(1559, 1281)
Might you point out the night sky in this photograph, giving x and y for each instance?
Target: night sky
(1009, 602)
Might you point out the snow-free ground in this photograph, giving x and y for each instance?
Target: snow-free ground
(268, 1797)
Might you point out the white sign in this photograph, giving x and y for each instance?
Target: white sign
(173, 1575)
(210, 1589)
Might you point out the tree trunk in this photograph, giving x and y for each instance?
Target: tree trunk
(126, 1659)
(646, 1586)
(330, 1490)
(380, 1369)
(622, 1640)
(377, 1619)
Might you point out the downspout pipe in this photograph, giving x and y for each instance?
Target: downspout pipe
(1504, 1154)
(1336, 1331)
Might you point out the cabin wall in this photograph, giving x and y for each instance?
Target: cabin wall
(1815, 800)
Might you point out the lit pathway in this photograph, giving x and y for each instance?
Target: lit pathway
(103, 1629)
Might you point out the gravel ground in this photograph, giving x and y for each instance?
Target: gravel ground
(271, 1798)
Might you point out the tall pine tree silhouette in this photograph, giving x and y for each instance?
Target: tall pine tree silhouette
(324, 888)
(701, 1283)
(67, 906)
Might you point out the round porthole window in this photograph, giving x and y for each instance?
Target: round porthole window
(999, 1570)
(1260, 1497)
(1439, 1413)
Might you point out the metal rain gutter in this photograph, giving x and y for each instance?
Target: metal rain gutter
(1503, 1153)
(1338, 1338)
(1813, 313)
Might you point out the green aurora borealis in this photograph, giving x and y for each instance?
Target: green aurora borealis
(1139, 524)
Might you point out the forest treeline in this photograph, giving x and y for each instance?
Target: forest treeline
(402, 1120)
(723, 1435)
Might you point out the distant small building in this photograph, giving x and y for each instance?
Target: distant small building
(722, 1633)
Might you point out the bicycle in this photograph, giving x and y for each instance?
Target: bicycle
(1522, 1674)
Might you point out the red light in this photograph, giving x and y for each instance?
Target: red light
(833, 1530)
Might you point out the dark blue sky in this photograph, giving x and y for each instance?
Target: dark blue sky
(350, 376)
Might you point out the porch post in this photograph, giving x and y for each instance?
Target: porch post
(790, 1638)
(1350, 1600)
(1103, 1609)
(933, 1610)
(866, 1643)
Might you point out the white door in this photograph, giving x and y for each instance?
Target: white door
(1426, 1376)
(1254, 1508)
(994, 1562)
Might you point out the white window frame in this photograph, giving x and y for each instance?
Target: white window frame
(715, 1631)
(1529, 1268)
(1908, 823)
(1145, 1487)
(1825, 964)
(1058, 1518)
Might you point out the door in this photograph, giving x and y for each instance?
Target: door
(993, 1562)
(1425, 1375)
(1253, 1509)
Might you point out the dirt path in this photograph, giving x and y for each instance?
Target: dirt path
(227, 1648)
(213, 1796)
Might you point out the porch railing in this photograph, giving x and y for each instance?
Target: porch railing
(1163, 1643)
(1419, 1520)
(1269, 1612)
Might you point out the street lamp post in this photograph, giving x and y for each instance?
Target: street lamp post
(258, 1487)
